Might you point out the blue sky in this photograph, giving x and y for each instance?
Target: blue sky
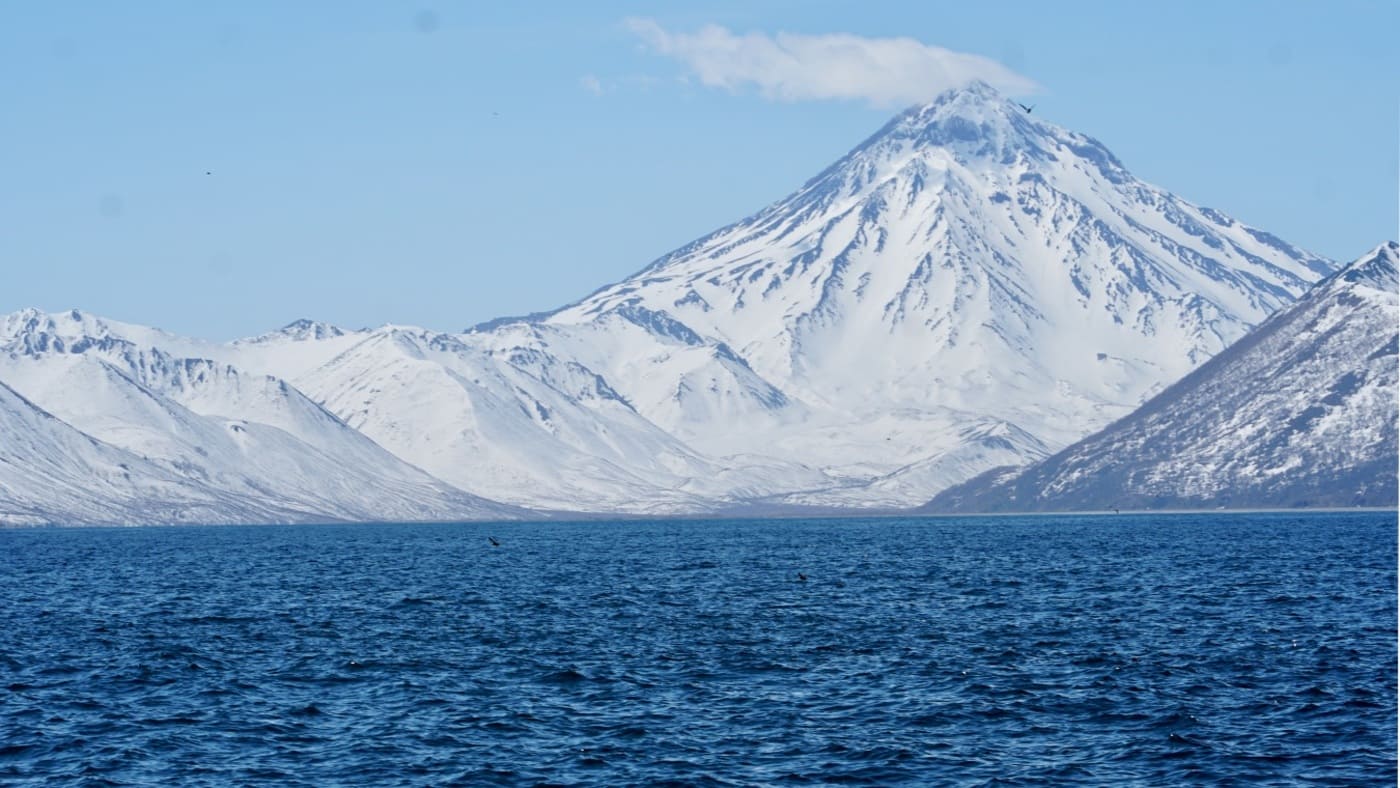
(441, 163)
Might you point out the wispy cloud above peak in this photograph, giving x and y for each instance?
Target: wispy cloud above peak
(885, 72)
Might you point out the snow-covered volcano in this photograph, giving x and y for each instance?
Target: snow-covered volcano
(971, 287)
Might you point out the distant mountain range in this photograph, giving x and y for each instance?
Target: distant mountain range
(1301, 412)
(161, 438)
(970, 288)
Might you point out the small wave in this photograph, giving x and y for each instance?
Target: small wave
(568, 676)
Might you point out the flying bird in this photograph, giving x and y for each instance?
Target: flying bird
(801, 578)
(494, 543)
(1024, 107)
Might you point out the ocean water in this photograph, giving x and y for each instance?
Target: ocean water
(1159, 650)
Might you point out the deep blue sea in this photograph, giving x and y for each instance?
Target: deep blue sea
(1159, 650)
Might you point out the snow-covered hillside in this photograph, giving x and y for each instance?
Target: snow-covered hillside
(219, 429)
(1301, 412)
(52, 473)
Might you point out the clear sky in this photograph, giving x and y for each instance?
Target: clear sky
(220, 169)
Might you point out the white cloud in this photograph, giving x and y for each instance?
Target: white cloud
(591, 84)
(793, 67)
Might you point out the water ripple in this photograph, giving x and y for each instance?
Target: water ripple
(1042, 651)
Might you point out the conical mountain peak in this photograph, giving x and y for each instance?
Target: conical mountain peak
(969, 121)
(962, 262)
(973, 128)
(976, 99)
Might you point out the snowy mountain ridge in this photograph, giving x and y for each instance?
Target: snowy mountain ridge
(235, 435)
